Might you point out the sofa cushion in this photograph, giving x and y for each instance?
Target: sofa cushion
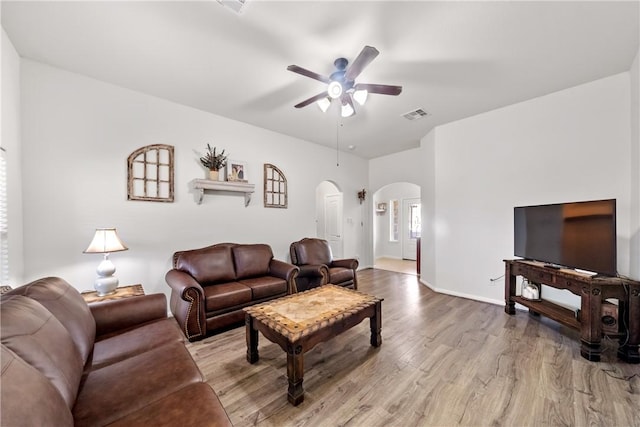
(189, 407)
(226, 295)
(213, 264)
(252, 260)
(313, 251)
(28, 397)
(135, 341)
(122, 388)
(68, 306)
(34, 334)
(266, 286)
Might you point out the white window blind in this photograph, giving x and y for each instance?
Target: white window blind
(4, 224)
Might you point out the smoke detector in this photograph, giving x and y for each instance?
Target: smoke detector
(416, 114)
(236, 5)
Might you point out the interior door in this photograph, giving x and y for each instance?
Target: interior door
(333, 223)
(411, 228)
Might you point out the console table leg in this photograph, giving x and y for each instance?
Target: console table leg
(629, 346)
(252, 340)
(295, 371)
(590, 325)
(509, 290)
(590, 351)
(375, 324)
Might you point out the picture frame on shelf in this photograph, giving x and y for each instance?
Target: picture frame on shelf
(236, 171)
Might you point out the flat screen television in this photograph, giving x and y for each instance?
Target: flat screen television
(576, 235)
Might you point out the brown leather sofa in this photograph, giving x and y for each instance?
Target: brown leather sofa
(116, 362)
(210, 286)
(317, 266)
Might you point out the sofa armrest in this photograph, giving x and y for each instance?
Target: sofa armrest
(285, 271)
(351, 263)
(315, 271)
(187, 304)
(113, 316)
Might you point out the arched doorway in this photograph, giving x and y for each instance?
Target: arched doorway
(397, 227)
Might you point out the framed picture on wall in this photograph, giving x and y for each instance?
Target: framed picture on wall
(236, 171)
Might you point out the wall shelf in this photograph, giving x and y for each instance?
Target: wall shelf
(200, 185)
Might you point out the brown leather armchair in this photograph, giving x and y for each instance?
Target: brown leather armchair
(317, 266)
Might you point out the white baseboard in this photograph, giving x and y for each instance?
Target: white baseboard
(462, 295)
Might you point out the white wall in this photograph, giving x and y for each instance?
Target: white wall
(400, 191)
(567, 146)
(77, 133)
(428, 267)
(405, 166)
(10, 141)
(635, 168)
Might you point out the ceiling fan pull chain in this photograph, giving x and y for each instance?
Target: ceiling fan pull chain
(338, 126)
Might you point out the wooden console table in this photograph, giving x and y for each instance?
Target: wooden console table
(592, 292)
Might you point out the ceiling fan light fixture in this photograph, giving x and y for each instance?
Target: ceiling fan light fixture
(334, 89)
(324, 104)
(360, 96)
(347, 110)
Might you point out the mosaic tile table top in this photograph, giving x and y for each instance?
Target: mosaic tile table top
(300, 314)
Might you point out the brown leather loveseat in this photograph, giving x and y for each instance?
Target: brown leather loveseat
(210, 286)
(317, 267)
(116, 362)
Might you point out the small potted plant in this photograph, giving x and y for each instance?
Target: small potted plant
(214, 162)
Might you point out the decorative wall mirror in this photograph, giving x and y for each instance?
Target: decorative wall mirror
(150, 174)
(275, 187)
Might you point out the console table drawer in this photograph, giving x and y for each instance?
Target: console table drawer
(533, 274)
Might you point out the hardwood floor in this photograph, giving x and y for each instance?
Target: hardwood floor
(443, 361)
(393, 264)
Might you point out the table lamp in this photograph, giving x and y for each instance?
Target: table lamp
(105, 241)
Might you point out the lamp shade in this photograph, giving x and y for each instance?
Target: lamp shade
(347, 110)
(360, 96)
(105, 240)
(324, 104)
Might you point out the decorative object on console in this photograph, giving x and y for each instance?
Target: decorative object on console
(105, 241)
(150, 174)
(236, 171)
(381, 208)
(275, 187)
(361, 195)
(214, 162)
(530, 291)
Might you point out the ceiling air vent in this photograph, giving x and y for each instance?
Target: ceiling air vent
(415, 114)
(236, 5)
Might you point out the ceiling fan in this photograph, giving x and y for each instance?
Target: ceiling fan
(341, 83)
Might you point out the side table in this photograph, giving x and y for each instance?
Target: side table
(121, 292)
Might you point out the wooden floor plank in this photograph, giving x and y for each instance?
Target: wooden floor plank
(443, 361)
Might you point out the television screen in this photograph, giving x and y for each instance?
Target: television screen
(576, 235)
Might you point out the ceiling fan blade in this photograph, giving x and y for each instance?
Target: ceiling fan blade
(308, 73)
(381, 89)
(366, 55)
(312, 99)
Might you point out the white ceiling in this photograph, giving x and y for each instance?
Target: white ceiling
(454, 59)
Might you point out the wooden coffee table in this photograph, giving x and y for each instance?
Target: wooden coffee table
(300, 321)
